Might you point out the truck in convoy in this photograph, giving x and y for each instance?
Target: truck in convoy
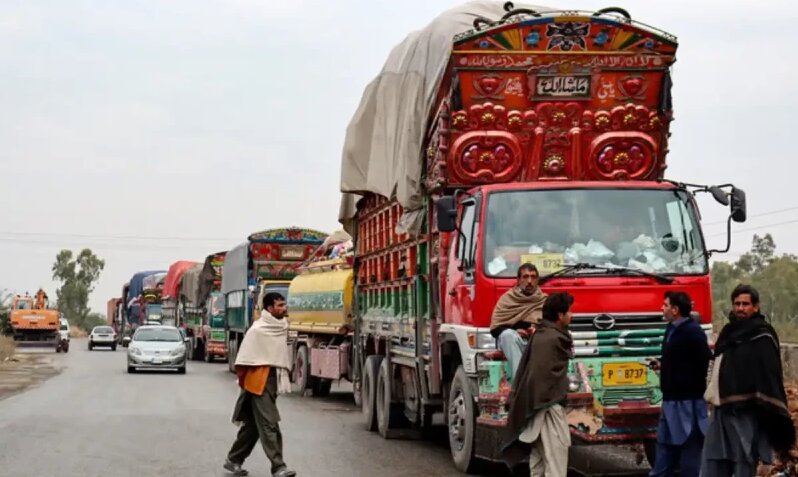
(34, 323)
(142, 299)
(320, 317)
(209, 292)
(534, 136)
(192, 311)
(112, 313)
(170, 296)
(266, 262)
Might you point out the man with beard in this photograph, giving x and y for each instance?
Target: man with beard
(515, 313)
(536, 423)
(746, 390)
(262, 366)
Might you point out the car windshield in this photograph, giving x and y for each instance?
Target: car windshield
(649, 230)
(103, 329)
(157, 334)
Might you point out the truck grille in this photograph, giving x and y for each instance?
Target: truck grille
(617, 321)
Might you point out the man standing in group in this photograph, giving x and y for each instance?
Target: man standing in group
(515, 313)
(262, 367)
(536, 420)
(683, 370)
(746, 391)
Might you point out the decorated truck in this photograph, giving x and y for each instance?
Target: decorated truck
(211, 334)
(142, 298)
(533, 136)
(320, 317)
(266, 262)
(170, 296)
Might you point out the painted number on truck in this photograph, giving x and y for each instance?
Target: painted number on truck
(545, 262)
(624, 374)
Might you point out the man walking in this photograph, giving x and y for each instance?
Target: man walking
(536, 420)
(515, 313)
(262, 367)
(683, 371)
(750, 419)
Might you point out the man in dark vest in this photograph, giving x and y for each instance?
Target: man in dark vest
(683, 371)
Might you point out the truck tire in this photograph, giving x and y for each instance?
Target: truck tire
(301, 371)
(231, 356)
(461, 419)
(66, 347)
(369, 391)
(321, 387)
(389, 414)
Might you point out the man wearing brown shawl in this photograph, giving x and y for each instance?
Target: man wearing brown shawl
(750, 419)
(536, 419)
(515, 313)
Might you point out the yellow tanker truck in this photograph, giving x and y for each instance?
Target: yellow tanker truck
(320, 317)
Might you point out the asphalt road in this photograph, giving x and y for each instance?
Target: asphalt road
(94, 419)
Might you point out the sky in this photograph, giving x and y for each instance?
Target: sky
(156, 131)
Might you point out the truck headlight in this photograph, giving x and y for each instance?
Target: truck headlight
(481, 340)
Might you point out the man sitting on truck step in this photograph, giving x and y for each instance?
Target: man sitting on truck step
(515, 313)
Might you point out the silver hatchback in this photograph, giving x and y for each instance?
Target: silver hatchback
(157, 347)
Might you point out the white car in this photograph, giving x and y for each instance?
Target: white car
(63, 336)
(157, 347)
(102, 336)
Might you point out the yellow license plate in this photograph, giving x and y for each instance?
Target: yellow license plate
(624, 374)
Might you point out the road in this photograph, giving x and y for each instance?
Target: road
(94, 419)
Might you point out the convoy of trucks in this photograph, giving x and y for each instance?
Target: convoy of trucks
(533, 136)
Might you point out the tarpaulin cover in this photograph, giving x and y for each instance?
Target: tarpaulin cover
(209, 275)
(234, 271)
(189, 288)
(173, 276)
(137, 285)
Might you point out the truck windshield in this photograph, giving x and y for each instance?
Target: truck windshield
(217, 305)
(154, 312)
(649, 230)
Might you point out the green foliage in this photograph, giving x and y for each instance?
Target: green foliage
(776, 278)
(78, 277)
(5, 308)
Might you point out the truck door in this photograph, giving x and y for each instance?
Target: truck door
(460, 274)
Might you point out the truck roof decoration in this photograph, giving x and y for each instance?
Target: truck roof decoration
(288, 235)
(521, 95)
(136, 285)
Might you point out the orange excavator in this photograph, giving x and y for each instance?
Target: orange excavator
(34, 323)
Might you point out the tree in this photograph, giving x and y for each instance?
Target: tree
(77, 277)
(5, 309)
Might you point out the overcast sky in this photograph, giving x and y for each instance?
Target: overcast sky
(155, 131)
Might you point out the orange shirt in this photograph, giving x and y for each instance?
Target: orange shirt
(253, 378)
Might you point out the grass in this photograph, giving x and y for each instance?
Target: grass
(7, 347)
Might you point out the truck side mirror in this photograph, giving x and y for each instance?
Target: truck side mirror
(447, 214)
(719, 195)
(738, 208)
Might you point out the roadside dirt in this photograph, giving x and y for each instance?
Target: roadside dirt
(23, 370)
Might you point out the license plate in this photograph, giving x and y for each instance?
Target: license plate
(157, 361)
(624, 374)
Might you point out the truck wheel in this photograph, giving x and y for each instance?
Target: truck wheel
(231, 355)
(58, 349)
(66, 347)
(461, 421)
(321, 387)
(369, 391)
(389, 414)
(300, 375)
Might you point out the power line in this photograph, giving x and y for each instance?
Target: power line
(757, 228)
(116, 237)
(771, 212)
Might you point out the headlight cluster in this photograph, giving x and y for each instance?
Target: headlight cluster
(178, 351)
(136, 352)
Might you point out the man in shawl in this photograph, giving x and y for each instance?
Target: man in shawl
(536, 423)
(683, 373)
(515, 313)
(262, 367)
(750, 419)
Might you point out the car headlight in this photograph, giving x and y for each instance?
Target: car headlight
(482, 340)
(136, 351)
(178, 351)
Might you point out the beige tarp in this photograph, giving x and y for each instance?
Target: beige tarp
(382, 149)
(189, 287)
